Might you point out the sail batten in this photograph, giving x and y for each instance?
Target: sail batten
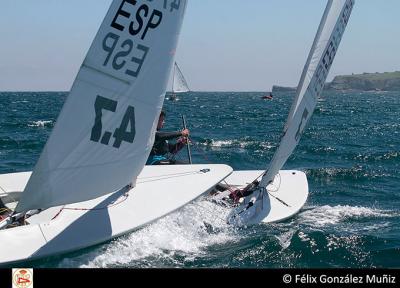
(315, 72)
(105, 131)
(84, 66)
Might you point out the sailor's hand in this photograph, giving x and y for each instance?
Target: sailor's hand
(185, 132)
(183, 140)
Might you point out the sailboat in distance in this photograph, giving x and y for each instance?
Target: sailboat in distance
(278, 194)
(179, 84)
(90, 183)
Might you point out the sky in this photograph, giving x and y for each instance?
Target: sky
(225, 45)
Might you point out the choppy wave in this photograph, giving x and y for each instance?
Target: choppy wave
(41, 123)
(332, 215)
(236, 143)
(350, 155)
(359, 172)
(377, 157)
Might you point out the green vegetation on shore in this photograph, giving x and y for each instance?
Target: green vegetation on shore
(387, 81)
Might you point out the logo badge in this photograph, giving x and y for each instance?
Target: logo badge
(22, 277)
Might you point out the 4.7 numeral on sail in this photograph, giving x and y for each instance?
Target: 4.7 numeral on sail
(125, 132)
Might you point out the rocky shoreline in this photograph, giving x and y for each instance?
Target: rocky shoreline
(387, 81)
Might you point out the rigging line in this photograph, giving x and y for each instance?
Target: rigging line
(202, 152)
(262, 174)
(58, 213)
(172, 174)
(125, 196)
(280, 200)
(170, 177)
(250, 204)
(197, 146)
(164, 177)
(277, 198)
(230, 188)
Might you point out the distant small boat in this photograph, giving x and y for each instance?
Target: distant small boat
(179, 84)
(173, 97)
(267, 96)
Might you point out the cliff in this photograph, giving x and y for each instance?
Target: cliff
(388, 81)
(276, 88)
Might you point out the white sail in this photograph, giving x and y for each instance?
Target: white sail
(326, 43)
(106, 128)
(179, 84)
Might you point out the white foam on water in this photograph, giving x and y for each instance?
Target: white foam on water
(331, 215)
(221, 143)
(285, 239)
(188, 231)
(40, 123)
(375, 227)
(239, 143)
(187, 234)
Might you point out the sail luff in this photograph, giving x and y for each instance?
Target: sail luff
(317, 68)
(106, 128)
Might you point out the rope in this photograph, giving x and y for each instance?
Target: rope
(125, 196)
(172, 175)
(168, 176)
(3, 210)
(230, 188)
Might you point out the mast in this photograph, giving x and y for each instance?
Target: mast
(323, 51)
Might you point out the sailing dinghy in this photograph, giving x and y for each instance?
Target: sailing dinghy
(90, 184)
(179, 84)
(277, 194)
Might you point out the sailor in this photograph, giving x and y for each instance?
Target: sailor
(161, 147)
(4, 211)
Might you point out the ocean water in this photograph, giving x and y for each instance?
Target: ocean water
(350, 152)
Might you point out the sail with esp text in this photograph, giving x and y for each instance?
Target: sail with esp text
(106, 128)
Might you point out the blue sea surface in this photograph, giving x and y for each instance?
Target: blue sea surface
(350, 152)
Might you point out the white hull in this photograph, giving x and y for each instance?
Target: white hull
(286, 196)
(160, 190)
